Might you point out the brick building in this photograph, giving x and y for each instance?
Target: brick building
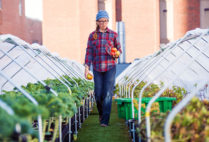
(13, 21)
(151, 23)
(179, 16)
(147, 23)
(66, 28)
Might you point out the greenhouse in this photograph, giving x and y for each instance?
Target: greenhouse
(43, 96)
(161, 97)
(164, 97)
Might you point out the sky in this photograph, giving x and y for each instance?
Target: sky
(33, 9)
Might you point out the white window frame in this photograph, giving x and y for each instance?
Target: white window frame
(0, 4)
(20, 7)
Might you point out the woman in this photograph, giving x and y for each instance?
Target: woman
(100, 53)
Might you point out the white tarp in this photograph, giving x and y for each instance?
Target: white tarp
(36, 59)
(184, 62)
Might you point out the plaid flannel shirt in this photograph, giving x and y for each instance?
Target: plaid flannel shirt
(98, 50)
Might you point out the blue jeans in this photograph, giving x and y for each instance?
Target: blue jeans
(103, 89)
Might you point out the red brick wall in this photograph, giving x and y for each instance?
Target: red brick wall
(186, 16)
(118, 10)
(66, 28)
(20, 26)
(33, 33)
(142, 27)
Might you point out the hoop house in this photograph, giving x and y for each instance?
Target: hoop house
(56, 86)
(182, 65)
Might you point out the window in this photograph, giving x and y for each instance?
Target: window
(118, 10)
(0, 4)
(204, 14)
(20, 7)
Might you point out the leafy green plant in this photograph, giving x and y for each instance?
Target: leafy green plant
(50, 106)
(190, 125)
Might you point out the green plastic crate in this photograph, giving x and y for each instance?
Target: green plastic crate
(121, 107)
(125, 111)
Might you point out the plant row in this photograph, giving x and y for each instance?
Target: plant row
(50, 108)
(190, 125)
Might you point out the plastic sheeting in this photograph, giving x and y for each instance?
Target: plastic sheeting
(185, 62)
(21, 61)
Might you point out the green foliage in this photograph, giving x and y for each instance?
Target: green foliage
(49, 105)
(190, 125)
(9, 124)
(152, 89)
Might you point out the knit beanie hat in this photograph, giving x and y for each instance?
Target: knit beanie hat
(102, 14)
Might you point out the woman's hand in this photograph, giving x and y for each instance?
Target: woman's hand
(115, 56)
(115, 53)
(86, 71)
